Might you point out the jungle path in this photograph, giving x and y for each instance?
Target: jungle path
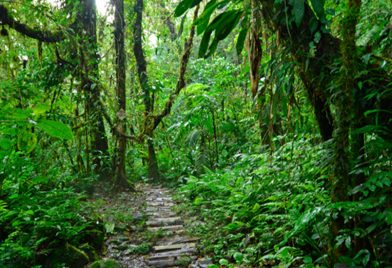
(171, 245)
(175, 248)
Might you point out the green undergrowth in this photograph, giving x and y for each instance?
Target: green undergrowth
(43, 222)
(274, 209)
(265, 209)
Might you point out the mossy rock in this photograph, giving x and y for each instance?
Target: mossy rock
(75, 257)
(69, 255)
(95, 236)
(184, 261)
(108, 263)
(141, 249)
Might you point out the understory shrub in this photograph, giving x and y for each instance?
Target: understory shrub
(275, 208)
(266, 208)
(41, 218)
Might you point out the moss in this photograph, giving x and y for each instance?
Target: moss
(109, 263)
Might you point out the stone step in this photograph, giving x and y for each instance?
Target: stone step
(157, 192)
(162, 214)
(159, 199)
(168, 250)
(166, 228)
(167, 204)
(174, 247)
(173, 254)
(164, 221)
(177, 240)
(155, 209)
(163, 263)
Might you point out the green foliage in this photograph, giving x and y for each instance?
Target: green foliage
(221, 26)
(252, 167)
(143, 248)
(298, 11)
(261, 203)
(108, 263)
(56, 129)
(184, 6)
(41, 218)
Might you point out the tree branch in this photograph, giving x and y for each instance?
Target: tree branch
(181, 78)
(44, 36)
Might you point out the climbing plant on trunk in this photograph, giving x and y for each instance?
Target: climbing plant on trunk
(121, 141)
(152, 121)
(89, 75)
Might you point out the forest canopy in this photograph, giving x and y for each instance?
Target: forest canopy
(269, 121)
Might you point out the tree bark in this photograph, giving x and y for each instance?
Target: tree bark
(313, 71)
(344, 105)
(41, 35)
(120, 176)
(90, 80)
(254, 49)
(147, 98)
(151, 121)
(181, 76)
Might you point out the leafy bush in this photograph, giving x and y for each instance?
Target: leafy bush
(266, 209)
(41, 219)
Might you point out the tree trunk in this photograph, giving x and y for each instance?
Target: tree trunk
(151, 122)
(254, 56)
(153, 170)
(89, 82)
(313, 71)
(120, 176)
(344, 113)
(181, 76)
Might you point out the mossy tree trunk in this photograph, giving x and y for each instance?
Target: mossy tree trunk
(344, 114)
(120, 176)
(151, 121)
(314, 71)
(89, 75)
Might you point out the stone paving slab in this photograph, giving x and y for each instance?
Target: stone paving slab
(175, 247)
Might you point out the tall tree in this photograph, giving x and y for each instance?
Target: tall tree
(148, 100)
(89, 75)
(344, 113)
(151, 122)
(119, 27)
(254, 56)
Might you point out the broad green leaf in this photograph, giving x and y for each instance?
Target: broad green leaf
(224, 262)
(56, 129)
(15, 114)
(26, 141)
(223, 24)
(241, 40)
(109, 227)
(299, 11)
(184, 5)
(205, 41)
(40, 109)
(318, 8)
(222, 20)
(239, 257)
(198, 201)
(229, 24)
(233, 226)
(204, 18)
